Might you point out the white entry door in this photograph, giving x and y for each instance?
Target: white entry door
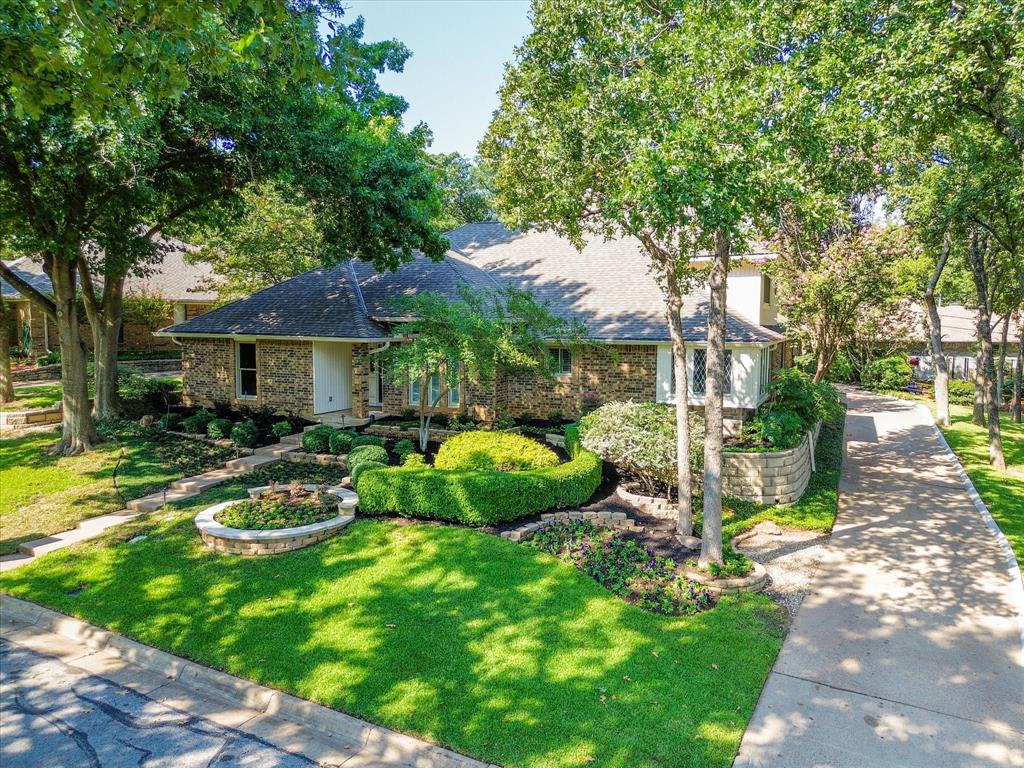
(332, 376)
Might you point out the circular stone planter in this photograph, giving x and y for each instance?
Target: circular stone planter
(244, 541)
(755, 581)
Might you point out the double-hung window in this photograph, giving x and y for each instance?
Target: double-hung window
(700, 373)
(561, 361)
(245, 370)
(433, 390)
(766, 368)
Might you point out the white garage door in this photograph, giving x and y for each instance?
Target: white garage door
(332, 376)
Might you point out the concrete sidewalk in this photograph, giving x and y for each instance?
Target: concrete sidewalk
(908, 651)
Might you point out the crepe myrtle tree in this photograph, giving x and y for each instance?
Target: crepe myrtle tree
(471, 338)
(664, 121)
(98, 157)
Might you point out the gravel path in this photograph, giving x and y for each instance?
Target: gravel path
(791, 557)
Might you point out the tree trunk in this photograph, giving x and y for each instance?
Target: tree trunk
(684, 481)
(1001, 366)
(711, 539)
(1018, 377)
(978, 413)
(78, 434)
(935, 336)
(985, 378)
(6, 383)
(424, 413)
(105, 318)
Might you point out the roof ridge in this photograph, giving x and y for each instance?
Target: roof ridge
(359, 289)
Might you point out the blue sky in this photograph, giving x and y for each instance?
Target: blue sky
(459, 49)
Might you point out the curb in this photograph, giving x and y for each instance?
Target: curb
(266, 701)
(1011, 559)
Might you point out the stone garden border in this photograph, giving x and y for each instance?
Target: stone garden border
(618, 521)
(776, 477)
(240, 541)
(323, 459)
(755, 581)
(32, 417)
(433, 435)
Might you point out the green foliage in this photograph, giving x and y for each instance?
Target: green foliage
(465, 196)
(364, 439)
(496, 451)
(481, 497)
(891, 372)
(282, 428)
(148, 310)
(961, 392)
(219, 429)
(356, 471)
(340, 441)
(269, 515)
(841, 369)
(403, 448)
(317, 439)
(198, 422)
(414, 460)
(170, 421)
(734, 564)
(244, 434)
(640, 439)
(777, 429)
(133, 386)
(50, 358)
(366, 452)
(793, 392)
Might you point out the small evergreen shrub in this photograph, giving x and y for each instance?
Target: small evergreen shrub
(414, 460)
(403, 448)
(170, 421)
(340, 442)
(498, 451)
(893, 372)
(367, 440)
(357, 471)
(362, 453)
(794, 392)
(197, 423)
(317, 439)
(245, 434)
(961, 392)
(282, 428)
(778, 429)
(219, 429)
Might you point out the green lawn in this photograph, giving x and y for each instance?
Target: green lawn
(37, 396)
(1003, 492)
(450, 634)
(41, 494)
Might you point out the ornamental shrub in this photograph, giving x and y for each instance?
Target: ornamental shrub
(340, 441)
(245, 434)
(197, 423)
(499, 451)
(640, 439)
(317, 439)
(170, 421)
(414, 460)
(367, 453)
(366, 440)
(403, 448)
(778, 429)
(793, 391)
(219, 429)
(480, 497)
(282, 428)
(356, 472)
(961, 392)
(891, 372)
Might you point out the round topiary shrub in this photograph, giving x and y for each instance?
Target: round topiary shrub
(367, 453)
(317, 439)
(361, 467)
(170, 422)
(891, 372)
(499, 451)
(341, 442)
(245, 434)
(197, 423)
(219, 429)
(366, 440)
(282, 428)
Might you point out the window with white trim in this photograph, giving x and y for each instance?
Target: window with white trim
(766, 368)
(435, 389)
(561, 361)
(245, 370)
(700, 372)
(414, 391)
(766, 289)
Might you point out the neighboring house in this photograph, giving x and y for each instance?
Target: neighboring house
(185, 286)
(306, 345)
(959, 341)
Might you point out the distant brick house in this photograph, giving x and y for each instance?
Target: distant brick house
(305, 346)
(184, 286)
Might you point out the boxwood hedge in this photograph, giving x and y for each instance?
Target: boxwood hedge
(481, 497)
(502, 451)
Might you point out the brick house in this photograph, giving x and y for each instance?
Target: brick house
(305, 346)
(183, 285)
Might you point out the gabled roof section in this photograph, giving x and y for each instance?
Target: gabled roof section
(322, 303)
(32, 273)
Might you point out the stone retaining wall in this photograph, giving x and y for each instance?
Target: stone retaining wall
(779, 477)
(253, 548)
(324, 459)
(52, 372)
(433, 435)
(31, 418)
(615, 520)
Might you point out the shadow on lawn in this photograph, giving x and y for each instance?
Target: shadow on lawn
(453, 635)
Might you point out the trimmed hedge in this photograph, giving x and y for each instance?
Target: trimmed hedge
(363, 453)
(481, 497)
(245, 434)
(317, 439)
(367, 440)
(499, 451)
(282, 428)
(197, 423)
(219, 429)
(340, 442)
(356, 472)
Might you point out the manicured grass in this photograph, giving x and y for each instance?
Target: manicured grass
(38, 396)
(453, 635)
(41, 494)
(815, 510)
(1003, 492)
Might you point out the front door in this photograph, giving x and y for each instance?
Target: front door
(332, 376)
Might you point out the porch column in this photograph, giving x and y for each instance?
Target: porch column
(360, 381)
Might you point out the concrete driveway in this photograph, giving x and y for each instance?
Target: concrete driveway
(908, 651)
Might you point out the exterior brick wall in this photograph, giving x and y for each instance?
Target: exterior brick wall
(360, 380)
(208, 371)
(284, 376)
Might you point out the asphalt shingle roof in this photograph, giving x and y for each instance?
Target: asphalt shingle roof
(29, 271)
(607, 286)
